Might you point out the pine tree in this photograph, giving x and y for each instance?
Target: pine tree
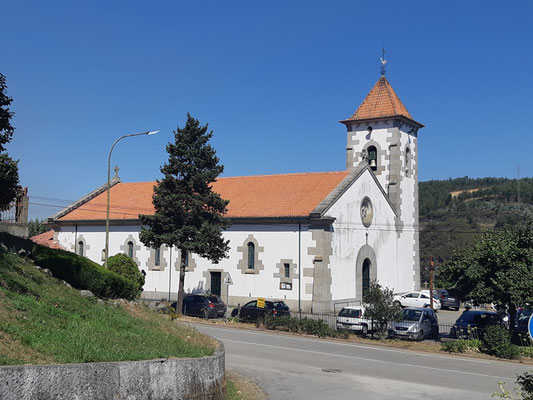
(188, 214)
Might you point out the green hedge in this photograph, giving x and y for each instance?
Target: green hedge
(83, 273)
(80, 272)
(308, 326)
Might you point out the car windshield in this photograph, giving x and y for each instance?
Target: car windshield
(411, 315)
(350, 313)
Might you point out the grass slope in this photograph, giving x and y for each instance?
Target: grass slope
(44, 321)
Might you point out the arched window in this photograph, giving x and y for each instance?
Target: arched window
(251, 255)
(130, 249)
(80, 248)
(366, 275)
(372, 157)
(157, 260)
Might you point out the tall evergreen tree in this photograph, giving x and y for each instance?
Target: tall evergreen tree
(188, 214)
(9, 175)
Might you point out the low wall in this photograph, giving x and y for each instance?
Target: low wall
(20, 230)
(165, 379)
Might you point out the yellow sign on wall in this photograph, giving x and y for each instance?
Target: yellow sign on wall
(260, 302)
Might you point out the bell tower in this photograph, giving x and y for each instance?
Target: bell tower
(382, 133)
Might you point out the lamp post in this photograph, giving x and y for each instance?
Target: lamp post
(109, 189)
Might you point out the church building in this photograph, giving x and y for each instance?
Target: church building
(314, 240)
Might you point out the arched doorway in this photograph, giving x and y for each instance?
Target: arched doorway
(365, 270)
(367, 264)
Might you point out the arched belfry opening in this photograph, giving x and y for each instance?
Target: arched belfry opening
(372, 157)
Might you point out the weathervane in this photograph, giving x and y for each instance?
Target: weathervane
(383, 62)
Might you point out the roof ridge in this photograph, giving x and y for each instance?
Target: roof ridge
(260, 176)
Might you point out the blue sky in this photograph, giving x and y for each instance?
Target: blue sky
(272, 79)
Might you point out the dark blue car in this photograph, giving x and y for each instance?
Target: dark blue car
(472, 324)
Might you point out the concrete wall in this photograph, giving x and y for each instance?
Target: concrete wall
(200, 378)
(20, 230)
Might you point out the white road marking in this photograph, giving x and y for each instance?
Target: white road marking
(360, 346)
(367, 359)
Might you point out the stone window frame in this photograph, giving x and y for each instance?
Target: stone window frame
(381, 155)
(293, 268)
(86, 246)
(136, 248)
(243, 262)
(191, 263)
(162, 259)
(223, 287)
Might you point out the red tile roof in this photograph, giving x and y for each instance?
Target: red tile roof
(287, 195)
(382, 101)
(46, 239)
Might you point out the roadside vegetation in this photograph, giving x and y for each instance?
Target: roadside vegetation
(45, 320)
(455, 212)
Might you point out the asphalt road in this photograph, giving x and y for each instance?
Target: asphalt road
(294, 367)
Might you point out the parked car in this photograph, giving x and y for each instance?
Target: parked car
(202, 305)
(416, 299)
(250, 311)
(521, 328)
(473, 323)
(353, 319)
(417, 323)
(446, 301)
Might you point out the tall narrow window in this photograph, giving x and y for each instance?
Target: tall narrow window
(287, 268)
(157, 260)
(251, 255)
(407, 160)
(80, 248)
(130, 249)
(373, 157)
(186, 258)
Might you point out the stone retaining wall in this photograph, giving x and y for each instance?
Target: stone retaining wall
(165, 379)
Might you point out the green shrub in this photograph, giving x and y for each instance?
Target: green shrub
(525, 381)
(127, 268)
(462, 345)
(307, 326)
(83, 273)
(497, 342)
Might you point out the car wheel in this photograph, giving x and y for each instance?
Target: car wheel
(364, 331)
(397, 303)
(420, 336)
(205, 313)
(234, 312)
(426, 305)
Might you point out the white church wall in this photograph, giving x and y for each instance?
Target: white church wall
(349, 235)
(275, 246)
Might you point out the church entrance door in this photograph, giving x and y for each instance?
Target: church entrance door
(366, 275)
(216, 282)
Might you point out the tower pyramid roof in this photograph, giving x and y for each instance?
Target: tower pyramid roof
(381, 102)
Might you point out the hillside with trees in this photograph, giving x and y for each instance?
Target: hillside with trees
(455, 212)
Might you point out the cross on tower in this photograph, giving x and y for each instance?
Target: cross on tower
(383, 62)
(116, 170)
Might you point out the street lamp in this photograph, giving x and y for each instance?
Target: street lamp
(109, 188)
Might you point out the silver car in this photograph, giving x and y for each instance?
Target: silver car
(416, 323)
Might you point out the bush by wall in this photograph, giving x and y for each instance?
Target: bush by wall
(308, 326)
(83, 273)
(497, 342)
(127, 268)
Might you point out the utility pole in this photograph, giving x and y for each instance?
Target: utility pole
(431, 270)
